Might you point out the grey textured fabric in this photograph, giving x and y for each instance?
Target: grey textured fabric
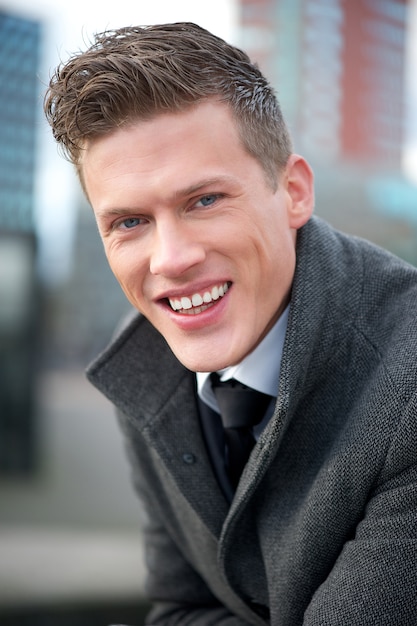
(323, 527)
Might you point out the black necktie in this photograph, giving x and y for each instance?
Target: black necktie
(241, 408)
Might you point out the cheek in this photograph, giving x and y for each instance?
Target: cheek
(277, 267)
(275, 249)
(127, 269)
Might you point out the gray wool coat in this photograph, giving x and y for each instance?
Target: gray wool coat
(322, 530)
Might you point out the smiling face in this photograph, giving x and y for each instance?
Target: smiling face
(197, 238)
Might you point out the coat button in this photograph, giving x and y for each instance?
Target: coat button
(188, 458)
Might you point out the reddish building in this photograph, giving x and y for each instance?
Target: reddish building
(373, 105)
(338, 66)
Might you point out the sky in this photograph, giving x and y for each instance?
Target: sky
(68, 26)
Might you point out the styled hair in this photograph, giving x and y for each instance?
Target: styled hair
(139, 72)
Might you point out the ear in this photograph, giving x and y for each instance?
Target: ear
(298, 180)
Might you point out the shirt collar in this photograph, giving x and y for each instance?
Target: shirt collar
(260, 369)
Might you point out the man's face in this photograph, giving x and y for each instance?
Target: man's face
(197, 238)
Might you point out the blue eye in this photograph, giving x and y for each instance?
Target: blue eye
(130, 222)
(208, 200)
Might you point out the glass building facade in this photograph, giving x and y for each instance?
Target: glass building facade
(19, 105)
(19, 96)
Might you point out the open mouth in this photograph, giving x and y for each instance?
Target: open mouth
(198, 302)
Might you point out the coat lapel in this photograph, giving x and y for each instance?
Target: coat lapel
(141, 376)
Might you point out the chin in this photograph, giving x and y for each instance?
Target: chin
(197, 364)
(207, 355)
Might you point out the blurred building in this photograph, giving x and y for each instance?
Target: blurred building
(20, 41)
(339, 70)
(372, 83)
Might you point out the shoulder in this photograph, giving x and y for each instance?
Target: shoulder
(362, 292)
(379, 280)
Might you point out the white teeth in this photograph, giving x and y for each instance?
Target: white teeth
(186, 303)
(196, 300)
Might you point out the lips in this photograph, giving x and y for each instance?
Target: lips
(198, 302)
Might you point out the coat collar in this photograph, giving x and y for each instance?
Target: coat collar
(140, 375)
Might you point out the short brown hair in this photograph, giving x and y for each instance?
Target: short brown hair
(138, 72)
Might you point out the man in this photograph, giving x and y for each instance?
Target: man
(206, 218)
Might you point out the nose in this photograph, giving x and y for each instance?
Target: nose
(176, 248)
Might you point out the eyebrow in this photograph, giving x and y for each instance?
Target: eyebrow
(195, 188)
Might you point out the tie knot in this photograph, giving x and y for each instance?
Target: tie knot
(240, 406)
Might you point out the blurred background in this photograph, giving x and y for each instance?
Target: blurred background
(346, 75)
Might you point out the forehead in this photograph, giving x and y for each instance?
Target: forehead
(168, 145)
(210, 111)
